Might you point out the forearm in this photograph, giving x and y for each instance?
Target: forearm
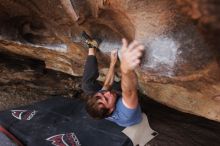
(130, 59)
(109, 77)
(91, 66)
(91, 73)
(129, 85)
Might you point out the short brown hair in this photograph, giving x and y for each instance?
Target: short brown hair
(93, 109)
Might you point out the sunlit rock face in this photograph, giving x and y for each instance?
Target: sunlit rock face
(179, 67)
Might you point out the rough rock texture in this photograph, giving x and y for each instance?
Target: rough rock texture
(179, 68)
(206, 15)
(25, 81)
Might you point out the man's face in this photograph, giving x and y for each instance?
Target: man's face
(107, 99)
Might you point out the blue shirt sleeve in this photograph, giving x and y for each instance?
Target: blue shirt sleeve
(124, 116)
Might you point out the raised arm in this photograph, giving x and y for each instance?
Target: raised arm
(130, 59)
(111, 72)
(91, 73)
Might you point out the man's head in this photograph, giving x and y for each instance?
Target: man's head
(101, 104)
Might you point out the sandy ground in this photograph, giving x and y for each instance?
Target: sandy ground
(24, 81)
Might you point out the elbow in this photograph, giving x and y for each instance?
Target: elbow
(130, 93)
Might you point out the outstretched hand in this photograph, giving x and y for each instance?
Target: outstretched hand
(131, 55)
(114, 57)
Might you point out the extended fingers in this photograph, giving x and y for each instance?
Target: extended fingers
(114, 51)
(133, 45)
(138, 49)
(134, 63)
(131, 54)
(135, 57)
(114, 54)
(137, 53)
(124, 44)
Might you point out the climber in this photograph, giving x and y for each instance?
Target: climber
(107, 101)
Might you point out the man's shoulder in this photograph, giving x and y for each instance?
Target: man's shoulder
(124, 116)
(121, 107)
